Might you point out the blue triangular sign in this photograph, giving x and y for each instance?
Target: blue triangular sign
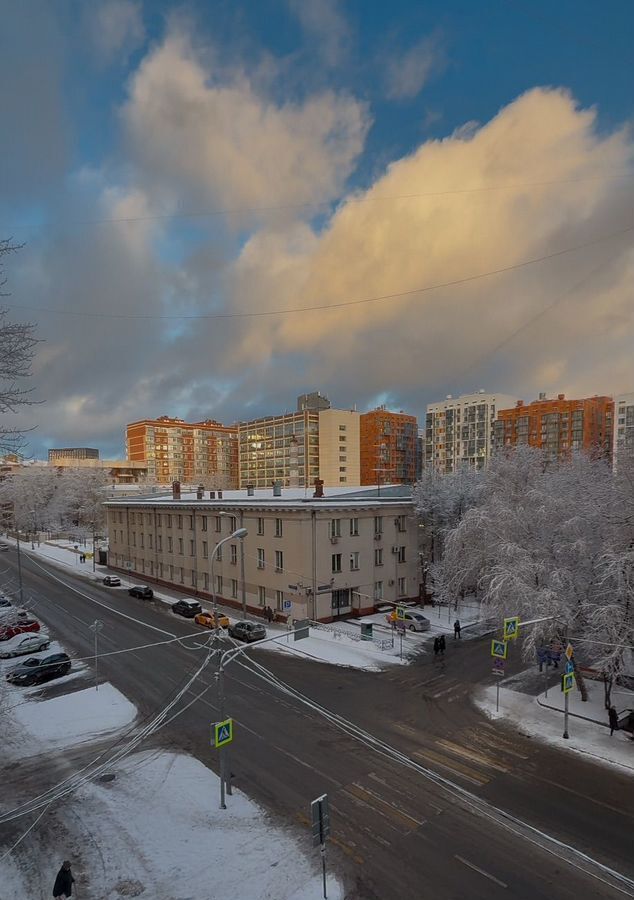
(223, 734)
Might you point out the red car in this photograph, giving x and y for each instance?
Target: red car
(9, 631)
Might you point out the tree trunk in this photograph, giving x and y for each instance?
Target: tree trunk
(608, 681)
(581, 682)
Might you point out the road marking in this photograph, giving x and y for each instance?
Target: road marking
(392, 807)
(620, 811)
(452, 766)
(446, 690)
(481, 871)
(437, 809)
(471, 755)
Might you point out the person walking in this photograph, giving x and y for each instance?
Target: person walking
(442, 644)
(436, 647)
(613, 717)
(456, 629)
(63, 887)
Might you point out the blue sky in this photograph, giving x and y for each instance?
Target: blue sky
(322, 116)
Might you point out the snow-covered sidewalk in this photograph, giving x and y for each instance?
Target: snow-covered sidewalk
(542, 717)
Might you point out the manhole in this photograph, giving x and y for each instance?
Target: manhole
(108, 776)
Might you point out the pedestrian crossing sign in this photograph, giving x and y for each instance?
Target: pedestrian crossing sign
(567, 682)
(498, 649)
(400, 612)
(511, 628)
(222, 733)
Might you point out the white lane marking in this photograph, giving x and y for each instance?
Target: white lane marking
(481, 871)
(99, 602)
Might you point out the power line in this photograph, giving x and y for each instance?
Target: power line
(329, 306)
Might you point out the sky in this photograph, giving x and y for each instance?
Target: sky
(225, 204)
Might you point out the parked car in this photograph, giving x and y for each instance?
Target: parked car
(247, 631)
(142, 591)
(9, 631)
(35, 671)
(5, 602)
(4, 547)
(24, 643)
(206, 619)
(112, 581)
(416, 621)
(187, 608)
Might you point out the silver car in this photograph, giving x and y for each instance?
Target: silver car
(416, 621)
(25, 643)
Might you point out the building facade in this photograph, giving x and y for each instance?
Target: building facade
(318, 557)
(174, 450)
(623, 434)
(558, 426)
(296, 448)
(72, 453)
(459, 430)
(388, 447)
(119, 471)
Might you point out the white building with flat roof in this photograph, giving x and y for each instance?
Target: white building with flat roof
(623, 442)
(459, 430)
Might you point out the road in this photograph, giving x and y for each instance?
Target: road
(485, 814)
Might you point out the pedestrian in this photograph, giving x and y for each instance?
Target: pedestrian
(442, 645)
(269, 614)
(63, 887)
(436, 646)
(613, 716)
(456, 629)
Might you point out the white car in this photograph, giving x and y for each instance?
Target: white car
(24, 643)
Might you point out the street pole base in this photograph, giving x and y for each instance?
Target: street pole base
(223, 806)
(566, 735)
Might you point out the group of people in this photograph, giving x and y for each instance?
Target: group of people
(440, 644)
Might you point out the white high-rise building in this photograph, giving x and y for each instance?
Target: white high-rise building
(623, 442)
(460, 430)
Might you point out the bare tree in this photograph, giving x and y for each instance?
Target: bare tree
(17, 347)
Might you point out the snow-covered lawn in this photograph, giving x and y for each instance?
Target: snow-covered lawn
(338, 648)
(544, 723)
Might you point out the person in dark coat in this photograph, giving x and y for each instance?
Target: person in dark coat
(436, 646)
(63, 887)
(613, 716)
(456, 629)
(442, 644)
(269, 614)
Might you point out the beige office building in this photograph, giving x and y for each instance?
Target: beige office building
(317, 557)
(296, 448)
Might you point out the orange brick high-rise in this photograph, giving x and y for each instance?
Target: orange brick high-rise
(174, 450)
(558, 426)
(388, 447)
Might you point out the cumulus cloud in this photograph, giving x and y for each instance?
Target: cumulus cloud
(407, 73)
(210, 136)
(117, 29)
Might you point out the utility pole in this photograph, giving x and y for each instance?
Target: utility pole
(17, 532)
(96, 627)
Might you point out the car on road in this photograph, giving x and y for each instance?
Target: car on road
(247, 631)
(142, 591)
(112, 581)
(188, 608)
(35, 671)
(206, 619)
(9, 631)
(4, 547)
(24, 643)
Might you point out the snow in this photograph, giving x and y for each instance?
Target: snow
(337, 648)
(73, 718)
(539, 721)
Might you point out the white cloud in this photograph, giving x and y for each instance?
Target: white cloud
(117, 29)
(408, 73)
(211, 137)
(324, 21)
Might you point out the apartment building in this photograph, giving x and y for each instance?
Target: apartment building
(459, 430)
(119, 471)
(321, 557)
(72, 453)
(558, 426)
(173, 450)
(295, 448)
(623, 435)
(388, 447)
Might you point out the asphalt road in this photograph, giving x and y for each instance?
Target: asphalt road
(485, 815)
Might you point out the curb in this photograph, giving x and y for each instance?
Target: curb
(576, 715)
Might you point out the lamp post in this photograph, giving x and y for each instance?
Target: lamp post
(238, 534)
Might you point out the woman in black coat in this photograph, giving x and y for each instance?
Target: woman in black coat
(63, 887)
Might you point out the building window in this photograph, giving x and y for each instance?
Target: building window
(260, 525)
(159, 542)
(204, 523)
(402, 587)
(342, 428)
(354, 561)
(401, 523)
(191, 523)
(182, 571)
(342, 468)
(336, 562)
(180, 546)
(234, 553)
(218, 585)
(278, 528)
(218, 554)
(279, 600)
(401, 554)
(234, 588)
(171, 572)
(192, 549)
(150, 541)
(218, 524)
(378, 524)
(233, 523)
(260, 557)
(169, 521)
(194, 578)
(279, 561)
(342, 479)
(205, 549)
(180, 522)
(378, 590)
(206, 581)
(169, 544)
(134, 538)
(262, 595)
(378, 556)
(354, 527)
(335, 528)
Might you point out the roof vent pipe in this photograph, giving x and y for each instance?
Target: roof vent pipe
(200, 492)
(277, 488)
(319, 488)
(176, 490)
(250, 490)
(212, 495)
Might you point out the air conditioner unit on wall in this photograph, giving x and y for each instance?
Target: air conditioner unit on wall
(394, 549)
(391, 582)
(334, 540)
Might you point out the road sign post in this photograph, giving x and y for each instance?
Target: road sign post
(221, 736)
(320, 817)
(567, 684)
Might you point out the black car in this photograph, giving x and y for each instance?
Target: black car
(142, 591)
(35, 671)
(247, 631)
(187, 608)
